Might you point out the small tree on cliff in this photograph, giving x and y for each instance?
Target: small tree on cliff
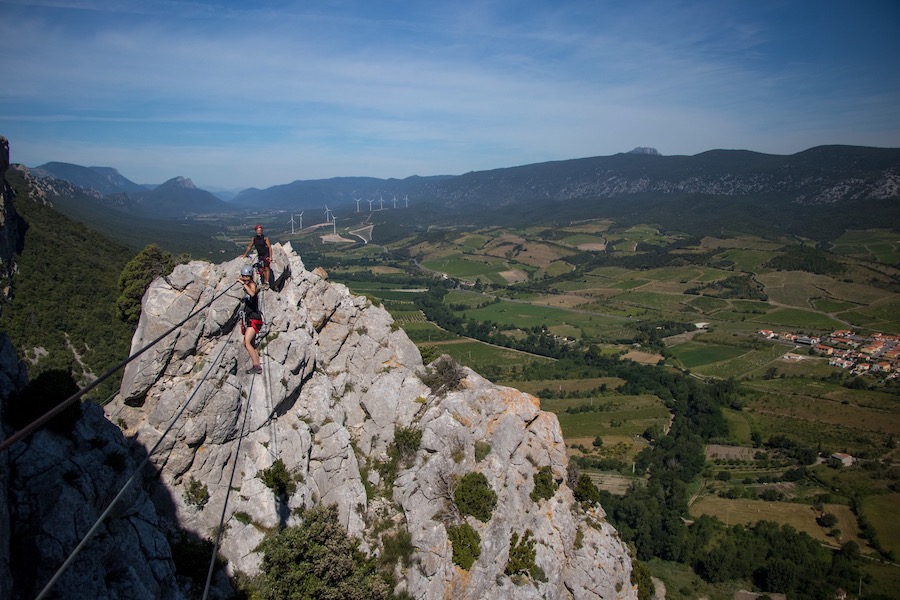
(136, 277)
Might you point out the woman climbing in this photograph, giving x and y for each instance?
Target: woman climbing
(251, 317)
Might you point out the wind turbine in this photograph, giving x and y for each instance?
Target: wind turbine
(381, 203)
(301, 218)
(357, 203)
(292, 224)
(370, 204)
(406, 199)
(395, 201)
(328, 214)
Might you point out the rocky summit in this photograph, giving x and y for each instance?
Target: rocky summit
(340, 384)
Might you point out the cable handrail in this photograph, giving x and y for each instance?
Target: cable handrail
(40, 421)
(237, 453)
(127, 484)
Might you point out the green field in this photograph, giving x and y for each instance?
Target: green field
(795, 318)
(627, 415)
(694, 354)
(882, 245)
(881, 511)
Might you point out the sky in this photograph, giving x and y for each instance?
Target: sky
(254, 94)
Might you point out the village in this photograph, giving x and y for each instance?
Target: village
(877, 354)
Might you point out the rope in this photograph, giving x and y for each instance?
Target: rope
(237, 453)
(37, 423)
(137, 471)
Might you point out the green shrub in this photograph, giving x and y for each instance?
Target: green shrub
(398, 548)
(473, 496)
(466, 545)
(482, 449)
(544, 485)
(401, 453)
(521, 558)
(318, 559)
(406, 443)
(444, 375)
(278, 479)
(429, 353)
(196, 493)
(242, 517)
(586, 492)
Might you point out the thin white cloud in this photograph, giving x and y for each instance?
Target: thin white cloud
(352, 89)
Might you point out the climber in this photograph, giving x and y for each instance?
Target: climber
(263, 253)
(251, 316)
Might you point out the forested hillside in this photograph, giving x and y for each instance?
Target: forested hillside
(62, 310)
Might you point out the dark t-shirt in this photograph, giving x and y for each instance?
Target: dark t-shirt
(262, 248)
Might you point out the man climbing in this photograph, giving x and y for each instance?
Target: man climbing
(263, 252)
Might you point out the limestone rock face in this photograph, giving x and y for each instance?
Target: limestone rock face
(57, 487)
(10, 223)
(339, 379)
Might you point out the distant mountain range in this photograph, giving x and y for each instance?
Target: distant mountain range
(174, 199)
(105, 180)
(856, 187)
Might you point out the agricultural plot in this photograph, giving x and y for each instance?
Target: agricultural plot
(833, 306)
(621, 415)
(467, 298)
(580, 239)
(748, 363)
(707, 305)
(746, 260)
(679, 274)
(483, 357)
(882, 315)
(472, 242)
(653, 300)
(799, 516)
(406, 317)
(881, 511)
(799, 319)
(526, 316)
(426, 332)
(465, 267)
(565, 385)
(691, 355)
(816, 420)
(882, 245)
(750, 242)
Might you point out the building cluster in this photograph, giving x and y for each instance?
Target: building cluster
(876, 354)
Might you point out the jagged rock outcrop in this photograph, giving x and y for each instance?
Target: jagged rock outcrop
(339, 378)
(10, 224)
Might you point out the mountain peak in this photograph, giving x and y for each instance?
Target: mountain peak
(645, 150)
(182, 182)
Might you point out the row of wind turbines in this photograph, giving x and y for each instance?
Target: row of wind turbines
(381, 203)
(329, 214)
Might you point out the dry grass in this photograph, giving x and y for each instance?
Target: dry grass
(644, 358)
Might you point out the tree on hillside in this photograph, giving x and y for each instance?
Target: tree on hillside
(136, 277)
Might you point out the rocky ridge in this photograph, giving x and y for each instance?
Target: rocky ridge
(339, 380)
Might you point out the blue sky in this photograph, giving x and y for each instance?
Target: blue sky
(241, 94)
